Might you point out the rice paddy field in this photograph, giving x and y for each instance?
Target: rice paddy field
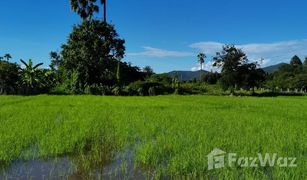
(164, 137)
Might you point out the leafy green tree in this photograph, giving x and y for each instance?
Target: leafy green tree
(9, 77)
(230, 59)
(56, 72)
(132, 73)
(299, 82)
(289, 76)
(93, 50)
(164, 79)
(211, 78)
(148, 71)
(236, 71)
(251, 76)
(305, 62)
(56, 60)
(48, 79)
(31, 75)
(296, 61)
(87, 8)
(280, 78)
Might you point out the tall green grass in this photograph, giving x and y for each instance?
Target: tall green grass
(171, 135)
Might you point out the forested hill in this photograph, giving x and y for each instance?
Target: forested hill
(190, 75)
(273, 68)
(187, 75)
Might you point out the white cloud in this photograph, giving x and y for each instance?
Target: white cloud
(208, 67)
(160, 53)
(272, 53)
(268, 53)
(208, 47)
(196, 67)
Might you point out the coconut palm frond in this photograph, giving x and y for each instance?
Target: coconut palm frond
(24, 63)
(38, 65)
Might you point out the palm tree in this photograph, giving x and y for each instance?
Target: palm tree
(7, 57)
(30, 74)
(201, 59)
(104, 3)
(86, 8)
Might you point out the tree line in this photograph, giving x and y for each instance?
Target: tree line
(74, 71)
(90, 62)
(289, 77)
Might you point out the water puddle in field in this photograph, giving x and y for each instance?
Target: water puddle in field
(75, 168)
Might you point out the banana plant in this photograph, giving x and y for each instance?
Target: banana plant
(30, 74)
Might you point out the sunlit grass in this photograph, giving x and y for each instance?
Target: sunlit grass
(171, 135)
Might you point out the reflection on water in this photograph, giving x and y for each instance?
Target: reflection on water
(75, 168)
(39, 169)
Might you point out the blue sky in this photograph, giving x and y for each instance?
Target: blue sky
(165, 34)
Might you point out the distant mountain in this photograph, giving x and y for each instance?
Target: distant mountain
(190, 75)
(187, 75)
(273, 68)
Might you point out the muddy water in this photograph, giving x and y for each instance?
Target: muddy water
(121, 167)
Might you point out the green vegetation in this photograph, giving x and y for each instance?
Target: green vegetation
(237, 72)
(87, 8)
(9, 77)
(171, 135)
(168, 136)
(90, 62)
(289, 77)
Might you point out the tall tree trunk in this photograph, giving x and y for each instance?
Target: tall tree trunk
(105, 11)
(118, 75)
(201, 72)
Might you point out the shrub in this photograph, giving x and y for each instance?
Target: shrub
(141, 92)
(9, 77)
(129, 91)
(152, 91)
(192, 88)
(59, 90)
(149, 88)
(178, 91)
(117, 91)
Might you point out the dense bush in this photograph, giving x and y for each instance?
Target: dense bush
(142, 88)
(164, 79)
(28, 80)
(291, 77)
(211, 78)
(9, 78)
(192, 88)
